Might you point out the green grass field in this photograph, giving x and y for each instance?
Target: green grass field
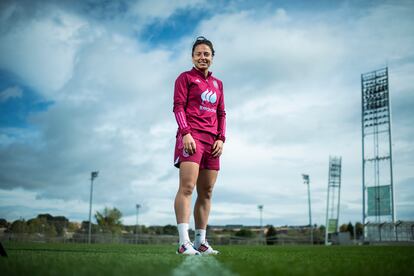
(109, 259)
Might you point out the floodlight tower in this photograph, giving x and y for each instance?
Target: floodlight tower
(306, 181)
(260, 207)
(333, 197)
(377, 174)
(93, 176)
(136, 226)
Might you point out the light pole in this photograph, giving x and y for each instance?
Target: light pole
(260, 207)
(93, 176)
(136, 227)
(306, 182)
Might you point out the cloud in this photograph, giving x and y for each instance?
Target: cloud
(42, 51)
(22, 203)
(9, 93)
(163, 9)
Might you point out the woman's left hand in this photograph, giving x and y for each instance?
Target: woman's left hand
(217, 148)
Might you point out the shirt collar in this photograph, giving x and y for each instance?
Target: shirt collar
(201, 74)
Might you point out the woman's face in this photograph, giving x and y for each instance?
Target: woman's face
(202, 57)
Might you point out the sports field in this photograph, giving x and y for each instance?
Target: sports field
(108, 259)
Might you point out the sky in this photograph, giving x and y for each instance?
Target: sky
(88, 85)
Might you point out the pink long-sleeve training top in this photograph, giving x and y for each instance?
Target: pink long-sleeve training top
(199, 105)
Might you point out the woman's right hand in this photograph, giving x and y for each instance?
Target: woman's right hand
(189, 144)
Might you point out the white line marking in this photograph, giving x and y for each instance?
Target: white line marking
(200, 266)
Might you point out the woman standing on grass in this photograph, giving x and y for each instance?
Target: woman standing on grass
(199, 112)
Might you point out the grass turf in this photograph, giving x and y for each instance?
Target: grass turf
(112, 259)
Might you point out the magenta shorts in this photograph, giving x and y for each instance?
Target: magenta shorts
(202, 156)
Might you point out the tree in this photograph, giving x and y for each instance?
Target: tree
(350, 229)
(36, 225)
(322, 229)
(3, 223)
(359, 229)
(85, 227)
(343, 228)
(319, 234)
(271, 236)
(144, 229)
(52, 225)
(72, 227)
(60, 223)
(110, 220)
(50, 230)
(18, 227)
(45, 216)
(170, 229)
(244, 232)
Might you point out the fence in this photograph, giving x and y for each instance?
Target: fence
(401, 231)
(95, 238)
(152, 239)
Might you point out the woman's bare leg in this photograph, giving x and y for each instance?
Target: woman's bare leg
(205, 183)
(188, 179)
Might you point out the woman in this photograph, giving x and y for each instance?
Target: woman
(199, 112)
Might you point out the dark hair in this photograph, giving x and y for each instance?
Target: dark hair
(202, 40)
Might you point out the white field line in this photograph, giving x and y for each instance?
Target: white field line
(201, 266)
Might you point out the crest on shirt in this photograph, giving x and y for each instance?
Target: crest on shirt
(215, 84)
(209, 96)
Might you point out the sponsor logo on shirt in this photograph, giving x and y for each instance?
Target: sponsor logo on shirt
(207, 109)
(209, 96)
(197, 80)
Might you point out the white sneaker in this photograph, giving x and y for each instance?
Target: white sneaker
(206, 249)
(187, 248)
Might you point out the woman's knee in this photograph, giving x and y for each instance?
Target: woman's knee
(186, 188)
(206, 193)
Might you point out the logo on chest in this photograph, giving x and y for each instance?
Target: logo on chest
(209, 96)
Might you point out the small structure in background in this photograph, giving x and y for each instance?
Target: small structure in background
(306, 181)
(260, 207)
(93, 176)
(136, 225)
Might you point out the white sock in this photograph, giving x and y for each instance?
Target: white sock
(200, 236)
(183, 232)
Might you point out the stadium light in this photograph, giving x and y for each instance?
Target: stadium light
(93, 176)
(306, 181)
(260, 207)
(136, 227)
